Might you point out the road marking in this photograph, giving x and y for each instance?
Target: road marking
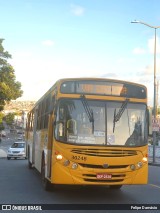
(155, 186)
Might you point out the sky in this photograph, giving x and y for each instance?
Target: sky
(54, 39)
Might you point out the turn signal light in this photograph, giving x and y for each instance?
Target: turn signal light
(59, 157)
(144, 159)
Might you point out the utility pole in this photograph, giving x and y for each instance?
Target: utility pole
(157, 98)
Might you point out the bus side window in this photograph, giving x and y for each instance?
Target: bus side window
(52, 105)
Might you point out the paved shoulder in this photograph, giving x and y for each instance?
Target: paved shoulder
(3, 154)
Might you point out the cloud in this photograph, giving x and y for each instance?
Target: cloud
(150, 47)
(48, 43)
(139, 51)
(148, 70)
(125, 60)
(77, 10)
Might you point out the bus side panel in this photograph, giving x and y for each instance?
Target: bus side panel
(29, 146)
(38, 151)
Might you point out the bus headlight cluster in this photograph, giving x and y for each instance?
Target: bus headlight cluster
(73, 165)
(138, 165)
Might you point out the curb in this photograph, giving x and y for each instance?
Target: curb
(154, 164)
(3, 154)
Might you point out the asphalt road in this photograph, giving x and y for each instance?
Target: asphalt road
(20, 185)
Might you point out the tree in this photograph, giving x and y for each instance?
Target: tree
(1, 121)
(9, 118)
(10, 89)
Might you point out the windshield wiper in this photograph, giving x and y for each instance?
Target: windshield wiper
(118, 115)
(88, 110)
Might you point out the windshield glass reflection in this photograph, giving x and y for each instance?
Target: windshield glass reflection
(73, 125)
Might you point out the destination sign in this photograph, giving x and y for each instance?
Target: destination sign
(108, 88)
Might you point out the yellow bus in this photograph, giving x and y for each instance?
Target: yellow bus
(90, 131)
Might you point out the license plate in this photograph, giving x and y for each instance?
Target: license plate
(104, 176)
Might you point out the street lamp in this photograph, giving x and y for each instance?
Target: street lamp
(154, 103)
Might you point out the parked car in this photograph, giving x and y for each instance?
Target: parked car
(3, 133)
(17, 150)
(19, 132)
(19, 139)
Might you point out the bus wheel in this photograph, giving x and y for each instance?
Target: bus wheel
(115, 186)
(29, 163)
(46, 184)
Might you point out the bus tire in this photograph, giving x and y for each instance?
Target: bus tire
(29, 163)
(46, 184)
(115, 186)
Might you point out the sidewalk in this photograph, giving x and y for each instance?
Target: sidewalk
(3, 154)
(156, 163)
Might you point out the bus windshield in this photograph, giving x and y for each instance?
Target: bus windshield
(73, 125)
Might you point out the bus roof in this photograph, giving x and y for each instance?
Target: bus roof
(58, 83)
(98, 79)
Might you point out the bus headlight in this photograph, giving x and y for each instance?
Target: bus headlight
(139, 164)
(133, 167)
(74, 166)
(66, 163)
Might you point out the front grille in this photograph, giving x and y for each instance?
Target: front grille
(101, 166)
(105, 152)
(118, 172)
